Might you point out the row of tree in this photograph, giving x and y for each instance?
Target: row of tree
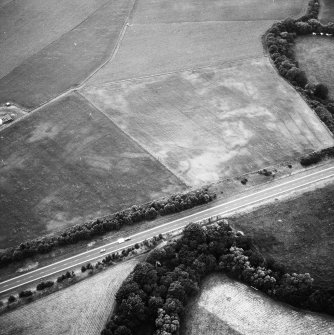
(87, 230)
(317, 156)
(280, 42)
(153, 298)
(108, 260)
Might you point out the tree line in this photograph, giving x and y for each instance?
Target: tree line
(280, 40)
(153, 298)
(87, 230)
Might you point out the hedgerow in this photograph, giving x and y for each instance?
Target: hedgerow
(279, 40)
(85, 231)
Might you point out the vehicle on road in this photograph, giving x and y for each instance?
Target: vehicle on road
(121, 240)
(102, 250)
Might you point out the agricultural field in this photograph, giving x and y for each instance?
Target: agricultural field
(315, 55)
(298, 233)
(173, 35)
(216, 122)
(81, 36)
(226, 306)
(167, 11)
(326, 11)
(80, 309)
(29, 26)
(69, 163)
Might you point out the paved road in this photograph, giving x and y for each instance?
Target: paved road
(296, 182)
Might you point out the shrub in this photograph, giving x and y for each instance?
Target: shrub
(11, 299)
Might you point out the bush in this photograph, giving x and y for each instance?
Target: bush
(25, 294)
(43, 285)
(11, 299)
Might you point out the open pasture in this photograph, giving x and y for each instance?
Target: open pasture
(226, 306)
(298, 233)
(68, 60)
(80, 309)
(315, 55)
(67, 163)
(166, 11)
(326, 11)
(214, 123)
(28, 26)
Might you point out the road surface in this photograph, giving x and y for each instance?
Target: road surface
(293, 183)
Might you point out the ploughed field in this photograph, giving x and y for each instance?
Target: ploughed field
(69, 161)
(80, 309)
(298, 233)
(226, 306)
(216, 122)
(315, 55)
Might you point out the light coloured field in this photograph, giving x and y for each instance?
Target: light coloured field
(28, 26)
(162, 48)
(216, 122)
(79, 309)
(226, 306)
(315, 55)
(153, 11)
(68, 163)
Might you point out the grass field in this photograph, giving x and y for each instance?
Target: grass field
(216, 122)
(68, 60)
(225, 306)
(166, 11)
(326, 11)
(298, 233)
(66, 163)
(315, 55)
(80, 309)
(29, 26)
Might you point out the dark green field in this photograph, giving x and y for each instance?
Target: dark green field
(315, 55)
(67, 61)
(66, 163)
(298, 233)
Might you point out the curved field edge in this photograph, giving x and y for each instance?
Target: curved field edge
(79, 309)
(226, 306)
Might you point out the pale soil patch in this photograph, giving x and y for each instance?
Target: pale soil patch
(226, 306)
(315, 55)
(153, 11)
(28, 26)
(79, 309)
(160, 48)
(214, 123)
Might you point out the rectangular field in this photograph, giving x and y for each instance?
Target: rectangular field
(161, 48)
(166, 11)
(226, 306)
(80, 309)
(66, 163)
(315, 55)
(298, 233)
(216, 122)
(67, 61)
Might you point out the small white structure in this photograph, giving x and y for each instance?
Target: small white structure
(321, 34)
(314, 34)
(8, 104)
